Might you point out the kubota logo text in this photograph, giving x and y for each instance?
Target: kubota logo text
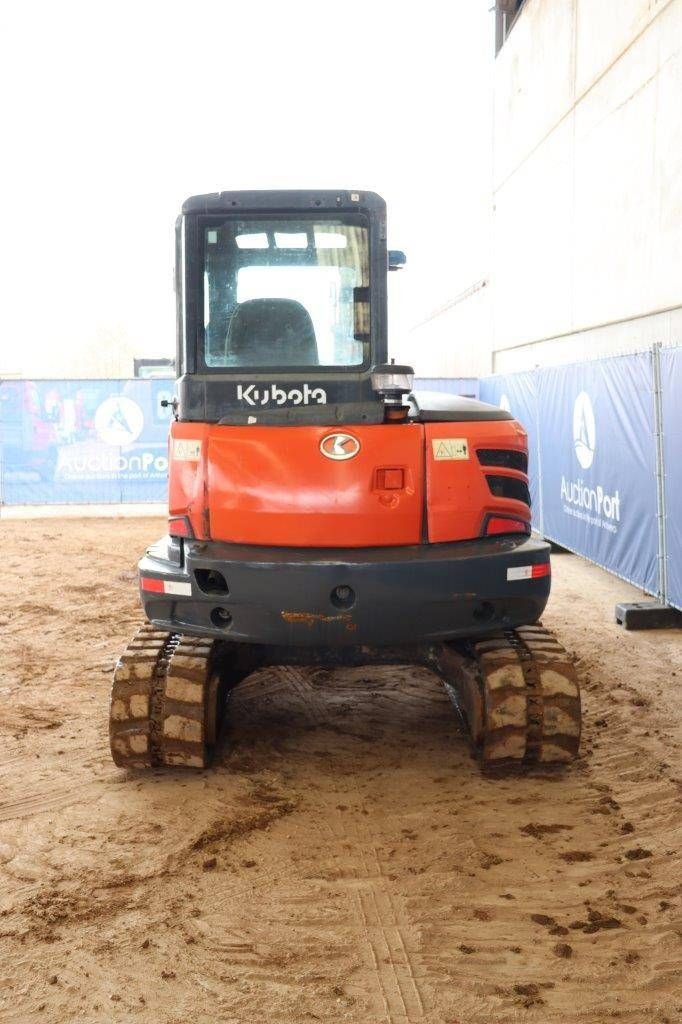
(339, 446)
(303, 395)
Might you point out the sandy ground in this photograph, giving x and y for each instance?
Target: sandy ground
(345, 860)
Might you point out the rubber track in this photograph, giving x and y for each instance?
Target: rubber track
(161, 710)
(165, 696)
(530, 696)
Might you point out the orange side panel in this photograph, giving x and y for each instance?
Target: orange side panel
(187, 482)
(457, 493)
(273, 486)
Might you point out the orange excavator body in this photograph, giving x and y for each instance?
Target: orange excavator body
(270, 485)
(316, 497)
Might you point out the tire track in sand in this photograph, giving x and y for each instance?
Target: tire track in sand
(39, 803)
(382, 919)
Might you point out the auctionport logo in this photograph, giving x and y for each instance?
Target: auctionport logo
(584, 430)
(592, 504)
(119, 421)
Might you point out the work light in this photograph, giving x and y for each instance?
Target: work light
(391, 382)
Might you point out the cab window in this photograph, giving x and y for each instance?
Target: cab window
(285, 293)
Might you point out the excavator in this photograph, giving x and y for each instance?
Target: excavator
(322, 510)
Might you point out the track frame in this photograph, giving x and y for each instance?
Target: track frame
(517, 692)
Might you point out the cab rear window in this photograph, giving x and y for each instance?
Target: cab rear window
(285, 293)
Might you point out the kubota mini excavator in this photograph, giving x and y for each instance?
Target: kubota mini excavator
(321, 511)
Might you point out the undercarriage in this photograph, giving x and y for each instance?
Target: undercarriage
(516, 691)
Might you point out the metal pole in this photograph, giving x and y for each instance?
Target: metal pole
(2, 456)
(660, 474)
(537, 379)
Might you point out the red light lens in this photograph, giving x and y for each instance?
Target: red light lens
(390, 479)
(543, 569)
(147, 583)
(180, 527)
(500, 524)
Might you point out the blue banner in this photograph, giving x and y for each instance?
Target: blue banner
(518, 394)
(671, 380)
(597, 463)
(83, 441)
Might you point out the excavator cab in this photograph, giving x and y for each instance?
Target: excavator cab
(321, 509)
(282, 301)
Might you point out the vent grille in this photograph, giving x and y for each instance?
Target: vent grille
(503, 457)
(509, 487)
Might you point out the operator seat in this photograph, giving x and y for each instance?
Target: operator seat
(271, 332)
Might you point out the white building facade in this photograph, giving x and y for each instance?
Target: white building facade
(586, 240)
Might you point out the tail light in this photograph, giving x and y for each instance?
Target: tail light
(529, 572)
(180, 526)
(505, 524)
(152, 585)
(155, 586)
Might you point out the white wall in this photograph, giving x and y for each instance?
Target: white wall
(455, 342)
(586, 255)
(587, 180)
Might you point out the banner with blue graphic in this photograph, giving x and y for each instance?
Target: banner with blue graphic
(598, 464)
(83, 441)
(671, 381)
(518, 394)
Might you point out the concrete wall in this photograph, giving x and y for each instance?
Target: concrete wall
(587, 180)
(455, 340)
(587, 187)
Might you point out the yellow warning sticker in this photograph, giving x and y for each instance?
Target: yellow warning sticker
(450, 448)
(186, 450)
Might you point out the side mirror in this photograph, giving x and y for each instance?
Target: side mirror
(396, 259)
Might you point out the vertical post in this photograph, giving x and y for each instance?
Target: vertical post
(660, 474)
(2, 456)
(499, 29)
(538, 444)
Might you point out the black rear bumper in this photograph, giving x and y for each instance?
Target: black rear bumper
(392, 595)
